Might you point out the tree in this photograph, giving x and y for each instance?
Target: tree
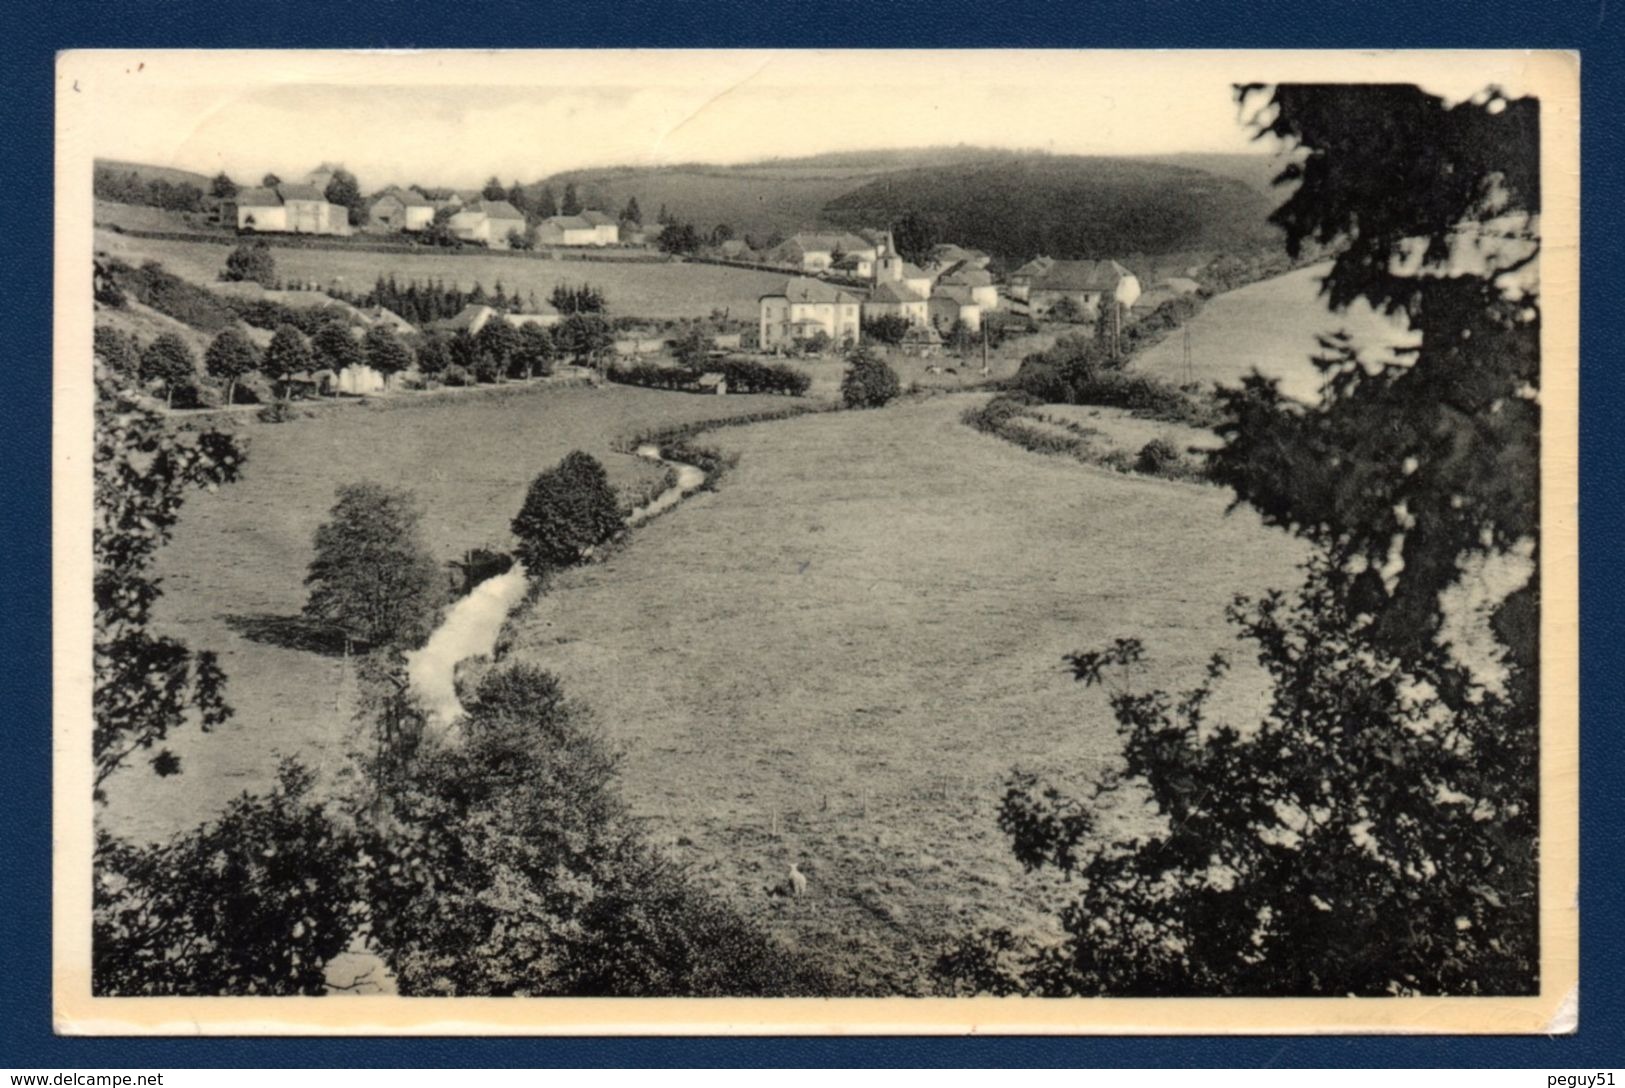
(720, 233)
(288, 354)
(372, 576)
(533, 354)
(679, 238)
(433, 356)
(343, 190)
(270, 181)
(547, 205)
(1377, 831)
(664, 218)
(570, 299)
(168, 360)
(334, 347)
(117, 351)
(252, 262)
(632, 213)
(257, 901)
(568, 511)
(572, 201)
(145, 684)
(887, 329)
(913, 235)
(499, 340)
(693, 349)
(439, 232)
(493, 189)
(584, 337)
(520, 199)
(384, 351)
(223, 187)
(229, 357)
(868, 381)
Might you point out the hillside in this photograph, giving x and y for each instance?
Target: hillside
(1068, 206)
(145, 172)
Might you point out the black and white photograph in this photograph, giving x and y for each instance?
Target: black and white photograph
(823, 541)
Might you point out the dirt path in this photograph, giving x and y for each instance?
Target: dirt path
(471, 626)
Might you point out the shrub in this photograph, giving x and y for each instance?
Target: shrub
(888, 329)
(172, 296)
(568, 511)
(251, 261)
(868, 382)
(433, 356)
(372, 576)
(511, 866)
(455, 376)
(278, 411)
(168, 359)
(1159, 457)
(117, 350)
(499, 340)
(255, 902)
(533, 353)
(230, 356)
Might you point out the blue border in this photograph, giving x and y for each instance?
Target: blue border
(36, 30)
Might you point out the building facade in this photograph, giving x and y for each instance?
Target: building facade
(802, 309)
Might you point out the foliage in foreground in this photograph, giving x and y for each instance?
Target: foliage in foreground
(145, 684)
(1377, 831)
(510, 866)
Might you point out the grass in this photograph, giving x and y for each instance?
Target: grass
(632, 289)
(836, 657)
(1272, 326)
(233, 573)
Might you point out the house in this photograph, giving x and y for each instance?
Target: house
(975, 279)
(854, 266)
(893, 269)
(475, 316)
(400, 209)
(735, 249)
(360, 380)
(805, 307)
(921, 340)
(566, 230)
(897, 300)
(289, 209)
(606, 228)
(1043, 281)
(880, 239)
(636, 234)
(487, 221)
(812, 251)
(950, 305)
(389, 319)
(318, 178)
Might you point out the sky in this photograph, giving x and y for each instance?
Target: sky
(446, 118)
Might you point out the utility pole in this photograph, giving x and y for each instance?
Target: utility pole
(983, 331)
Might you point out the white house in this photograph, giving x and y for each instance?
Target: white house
(1043, 281)
(400, 209)
(488, 221)
(950, 304)
(976, 280)
(606, 229)
(566, 230)
(897, 300)
(803, 308)
(474, 317)
(290, 209)
(812, 251)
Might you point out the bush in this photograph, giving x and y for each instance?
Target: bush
(1159, 457)
(256, 902)
(253, 262)
(117, 350)
(511, 866)
(889, 329)
(433, 356)
(172, 296)
(868, 382)
(568, 511)
(533, 353)
(372, 576)
(455, 376)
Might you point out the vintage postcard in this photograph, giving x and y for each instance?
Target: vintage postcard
(594, 542)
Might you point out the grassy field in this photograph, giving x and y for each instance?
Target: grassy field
(1270, 326)
(837, 657)
(233, 574)
(632, 289)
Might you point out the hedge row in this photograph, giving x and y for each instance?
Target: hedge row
(742, 376)
(1009, 418)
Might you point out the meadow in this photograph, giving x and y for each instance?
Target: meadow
(1273, 326)
(653, 290)
(837, 658)
(233, 574)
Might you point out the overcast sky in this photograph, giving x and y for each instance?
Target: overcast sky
(457, 118)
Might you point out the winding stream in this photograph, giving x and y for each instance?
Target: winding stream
(471, 626)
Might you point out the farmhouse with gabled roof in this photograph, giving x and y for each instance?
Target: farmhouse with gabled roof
(805, 307)
(1044, 281)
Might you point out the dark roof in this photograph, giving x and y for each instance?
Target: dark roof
(893, 292)
(802, 289)
(966, 274)
(599, 219)
(302, 192)
(258, 198)
(568, 222)
(1080, 276)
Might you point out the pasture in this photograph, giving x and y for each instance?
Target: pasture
(1271, 326)
(836, 659)
(639, 289)
(233, 574)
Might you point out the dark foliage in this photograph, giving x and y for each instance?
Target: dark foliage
(335, 347)
(229, 358)
(372, 576)
(170, 295)
(868, 381)
(168, 361)
(887, 329)
(251, 261)
(568, 298)
(117, 351)
(569, 510)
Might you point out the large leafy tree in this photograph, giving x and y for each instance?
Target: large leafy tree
(287, 354)
(335, 347)
(372, 576)
(1375, 832)
(384, 351)
(343, 190)
(913, 235)
(169, 361)
(568, 511)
